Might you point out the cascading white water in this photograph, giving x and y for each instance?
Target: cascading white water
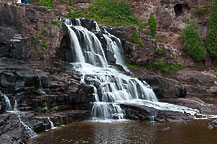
(16, 111)
(8, 104)
(51, 124)
(110, 86)
(28, 129)
(15, 106)
(114, 45)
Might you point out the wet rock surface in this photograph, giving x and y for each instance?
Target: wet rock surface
(195, 103)
(144, 113)
(42, 90)
(212, 125)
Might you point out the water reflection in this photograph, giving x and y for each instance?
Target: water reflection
(130, 132)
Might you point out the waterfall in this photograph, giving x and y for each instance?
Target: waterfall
(40, 89)
(17, 112)
(114, 45)
(51, 124)
(15, 106)
(27, 128)
(110, 86)
(8, 104)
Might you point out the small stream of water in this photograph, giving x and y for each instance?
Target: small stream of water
(17, 112)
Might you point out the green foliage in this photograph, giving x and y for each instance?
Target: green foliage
(43, 57)
(46, 31)
(43, 105)
(142, 26)
(192, 41)
(216, 75)
(47, 3)
(44, 43)
(55, 108)
(57, 23)
(186, 20)
(70, 3)
(212, 33)
(43, 109)
(152, 25)
(134, 66)
(162, 2)
(136, 39)
(159, 50)
(164, 67)
(108, 12)
(202, 10)
(36, 38)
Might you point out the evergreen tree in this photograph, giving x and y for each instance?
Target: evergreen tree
(192, 41)
(152, 25)
(212, 33)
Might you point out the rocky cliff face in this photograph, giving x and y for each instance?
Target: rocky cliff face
(27, 31)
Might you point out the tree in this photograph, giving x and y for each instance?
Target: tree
(192, 41)
(212, 33)
(152, 25)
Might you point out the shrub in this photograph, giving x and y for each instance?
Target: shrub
(202, 10)
(152, 25)
(46, 31)
(212, 33)
(71, 3)
(136, 39)
(192, 41)
(158, 50)
(164, 67)
(36, 38)
(44, 44)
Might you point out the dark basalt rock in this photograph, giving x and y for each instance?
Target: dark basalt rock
(144, 113)
(212, 125)
(12, 131)
(156, 85)
(181, 92)
(12, 44)
(2, 103)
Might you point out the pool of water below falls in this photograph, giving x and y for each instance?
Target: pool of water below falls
(130, 132)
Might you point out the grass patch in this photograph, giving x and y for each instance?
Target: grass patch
(108, 12)
(164, 67)
(134, 66)
(47, 3)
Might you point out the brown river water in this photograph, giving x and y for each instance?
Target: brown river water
(130, 132)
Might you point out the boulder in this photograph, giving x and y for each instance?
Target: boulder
(145, 113)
